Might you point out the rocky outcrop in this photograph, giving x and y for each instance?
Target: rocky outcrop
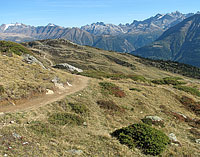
(68, 67)
(31, 59)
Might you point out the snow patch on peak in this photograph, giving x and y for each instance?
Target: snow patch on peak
(51, 24)
(12, 24)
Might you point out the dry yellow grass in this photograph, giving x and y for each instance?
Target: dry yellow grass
(94, 139)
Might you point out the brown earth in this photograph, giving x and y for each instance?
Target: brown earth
(78, 84)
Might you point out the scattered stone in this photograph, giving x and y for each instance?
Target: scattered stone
(12, 122)
(69, 84)
(155, 120)
(68, 67)
(1, 113)
(16, 135)
(173, 139)
(55, 80)
(31, 59)
(85, 123)
(59, 86)
(25, 143)
(197, 141)
(49, 92)
(75, 152)
(5, 155)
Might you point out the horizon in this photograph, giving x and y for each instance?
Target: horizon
(78, 13)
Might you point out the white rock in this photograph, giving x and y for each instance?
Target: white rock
(172, 137)
(69, 84)
(49, 92)
(154, 118)
(75, 152)
(197, 141)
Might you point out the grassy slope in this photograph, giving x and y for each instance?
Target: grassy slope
(22, 80)
(47, 139)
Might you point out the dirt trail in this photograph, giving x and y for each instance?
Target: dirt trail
(79, 83)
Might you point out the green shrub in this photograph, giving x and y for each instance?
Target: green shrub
(137, 78)
(169, 80)
(143, 136)
(108, 105)
(65, 118)
(11, 47)
(112, 89)
(190, 90)
(1, 89)
(79, 108)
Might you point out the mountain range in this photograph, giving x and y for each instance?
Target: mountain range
(179, 43)
(121, 38)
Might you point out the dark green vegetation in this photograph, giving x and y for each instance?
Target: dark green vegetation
(108, 105)
(191, 90)
(179, 43)
(143, 136)
(1, 89)
(168, 81)
(65, 118)
(112, 89)
(8, 47)
(79, 108)
(174, 67)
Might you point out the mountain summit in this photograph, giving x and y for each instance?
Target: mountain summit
(180, 43)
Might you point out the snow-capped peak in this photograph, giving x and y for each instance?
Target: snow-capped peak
(51, 24)
(12, 24)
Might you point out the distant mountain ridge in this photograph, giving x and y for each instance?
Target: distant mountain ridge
(122, 38)
(179, 43)
(159, 22)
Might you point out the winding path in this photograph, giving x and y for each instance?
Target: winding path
(79, 83)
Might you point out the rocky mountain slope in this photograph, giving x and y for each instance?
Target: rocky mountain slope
(122, 38)
(125, 94)
(180, 43)
(159, 22)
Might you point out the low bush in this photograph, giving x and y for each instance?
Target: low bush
(1, 89)
(190, 104)
(143, 136)
(190, 90)
(108, 105)
(7, 47)
(169, 80)
(112, 89)
(195, 132)
(79, 108)
(137, 78)
(65, 118)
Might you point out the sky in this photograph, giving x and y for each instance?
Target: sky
(76, 13)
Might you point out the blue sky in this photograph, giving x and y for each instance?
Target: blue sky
(76, 13)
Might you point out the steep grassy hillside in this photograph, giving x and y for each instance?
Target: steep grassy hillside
(22, 80)
(121, 93)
